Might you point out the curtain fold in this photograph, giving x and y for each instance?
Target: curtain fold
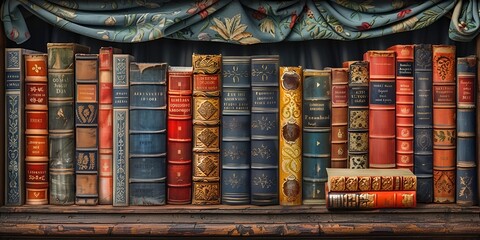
(242, 22)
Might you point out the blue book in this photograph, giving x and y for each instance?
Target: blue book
(235, 150)
(316, 134)
(121, 102)
(264, 130)
(147, 163)
(466, 182)
(423, 122)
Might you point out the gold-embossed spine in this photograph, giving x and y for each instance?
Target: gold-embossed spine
(290, 148)
(206, 128)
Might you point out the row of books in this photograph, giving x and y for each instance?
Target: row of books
(102, 128)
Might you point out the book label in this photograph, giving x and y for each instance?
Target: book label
(382, 93)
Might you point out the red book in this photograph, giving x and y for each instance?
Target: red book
(339, 145)
(381, 139)
(105, 124)
(371, 200)
(444, 123)
(179, 134)
(404, 106)
(36, 129)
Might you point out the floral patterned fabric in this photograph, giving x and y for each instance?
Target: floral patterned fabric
(241, 21)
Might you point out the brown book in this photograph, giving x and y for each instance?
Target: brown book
(105, 124)
(404, 106)
(179, 135)
(36, 129)
(339, 144)
(290, 145)
(444, 123)
(381, 115)
(206, 128)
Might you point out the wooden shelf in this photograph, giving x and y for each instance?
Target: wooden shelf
(428, 220)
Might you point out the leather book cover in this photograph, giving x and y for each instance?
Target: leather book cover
(351, 180)
(86, 129)
(105, 124)
(290, 127)
(466, 176)
(61, 120)
(358, 78)
(444, 123)
(179, 135)
(235, 150)
(264, 130)
(121, 126)
(404, 105)
(381, 115)
(339, 147)
(36, 129)
(207, 82)
(371, 200)
(316, 134)
(148, 126)
(423, 123)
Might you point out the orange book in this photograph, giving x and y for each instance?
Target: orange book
(371, 200)
(381, 131)
(444, 123)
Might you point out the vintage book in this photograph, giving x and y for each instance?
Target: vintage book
(86, 129)
(235, 150)
(121, 143)
(290, 127)
(264, 130)
(444, 123)
(36, 129)
(148, 126)
(179, 135)
(358, 115)
(14, 125)
(404, 105)
(61, 120)
(105, 124)
(339, 147)
(359, 180)
(423, 123)
(316, 134)
(371, 200)
(477, 121)
(207, 82)
(466, 174)
(381, 115)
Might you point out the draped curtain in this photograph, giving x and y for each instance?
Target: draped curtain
(242, 22)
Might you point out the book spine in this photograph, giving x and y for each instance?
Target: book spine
(339, 144)
(147, 166)
(14, 127)
(86, 129)
(206, 128)
(371, 200)
(423, 123)
(36, 129)
(372, 183)
(264, 130)
(61, 120)
(105, 125)
(235, 151)
(466, 176)
(404, 106)
(121, 143)
(381, 115)
(478, 129)
(444, 123)
(358, 115)
(316, 134)
(290, 146)
(179, 135)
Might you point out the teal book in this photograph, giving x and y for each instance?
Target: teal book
(235, 150)
(316, 134)
(61, 120)
(148, 125)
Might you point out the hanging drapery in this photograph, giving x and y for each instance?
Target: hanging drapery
(241, 21)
